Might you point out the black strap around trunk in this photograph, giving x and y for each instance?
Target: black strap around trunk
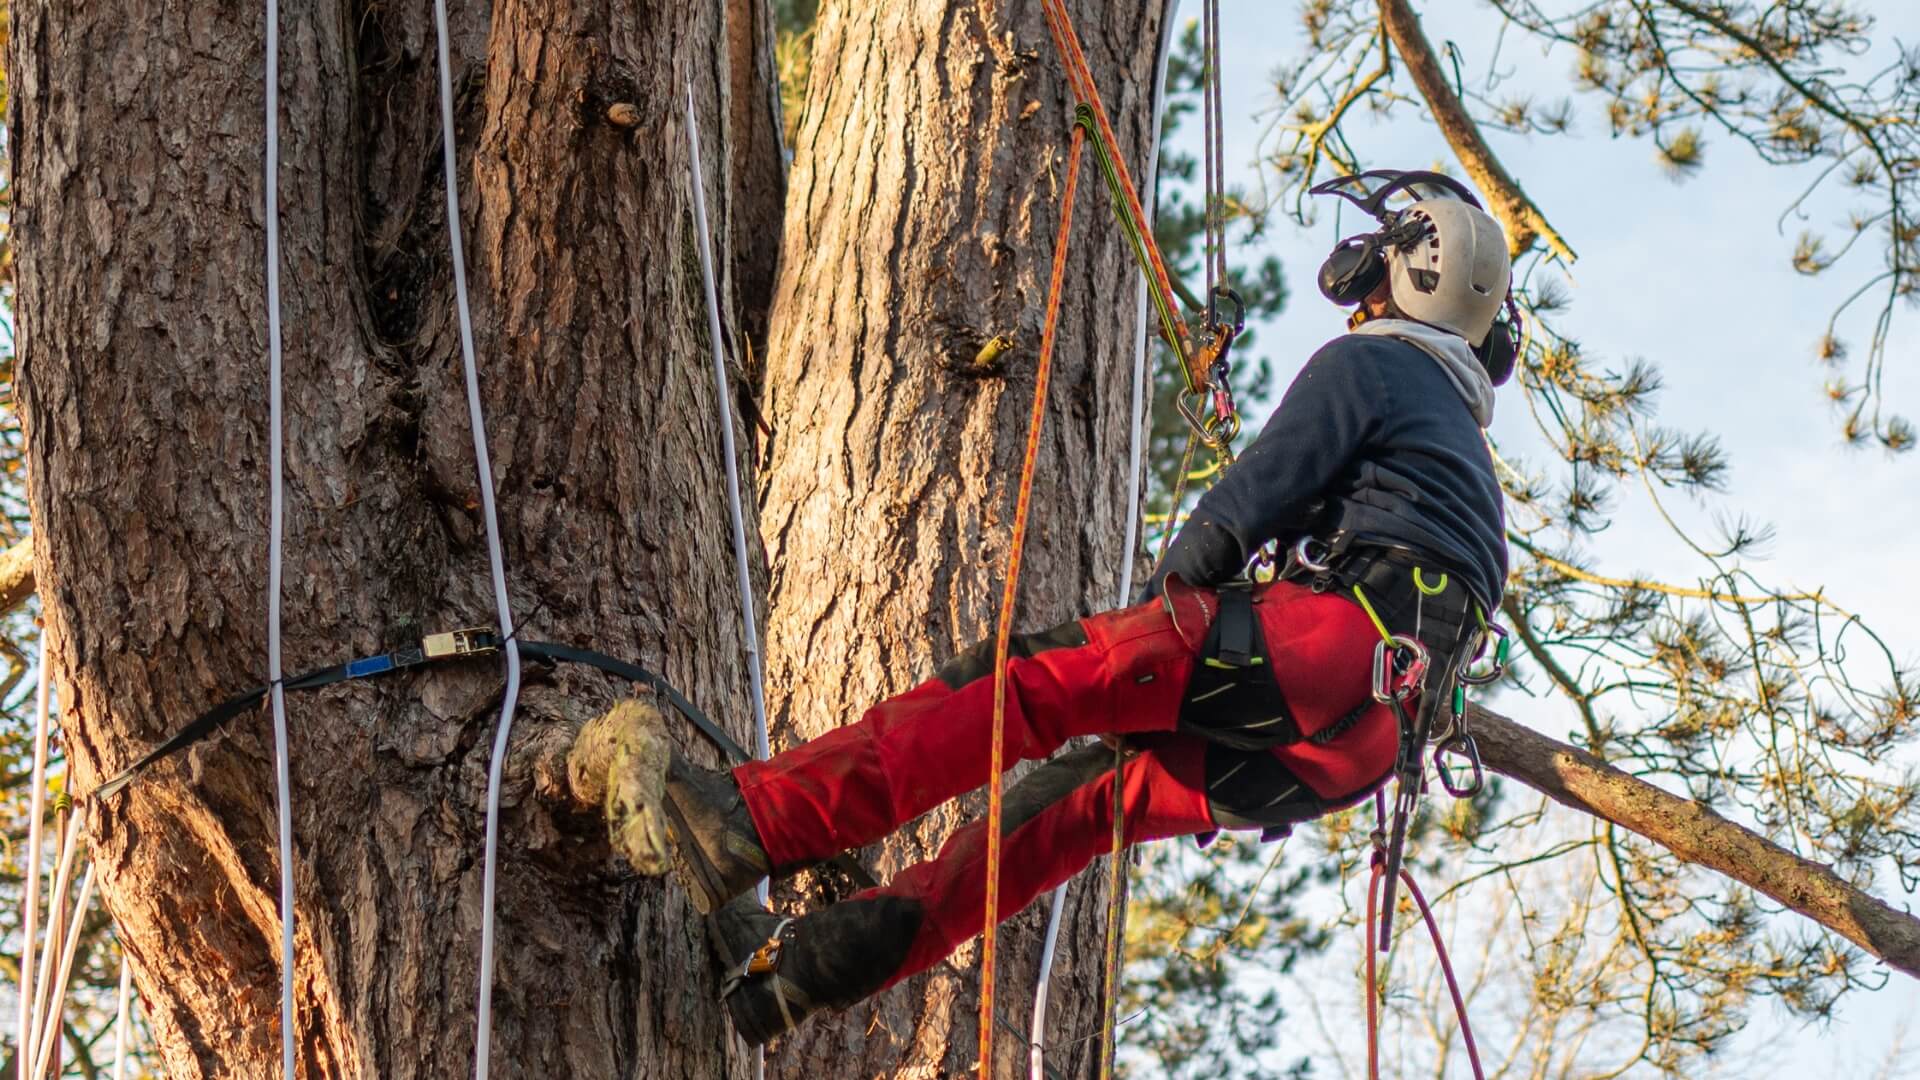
(456, 645)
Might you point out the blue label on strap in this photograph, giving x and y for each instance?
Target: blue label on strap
(372, 665)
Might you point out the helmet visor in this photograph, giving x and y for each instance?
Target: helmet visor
(1383, 192)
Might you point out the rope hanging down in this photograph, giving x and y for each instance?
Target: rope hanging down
(496, 560)
(755, 677)
(1002, 638)
(1036, 1036)
(1374, 880)
(1205, 373)
(282, 779)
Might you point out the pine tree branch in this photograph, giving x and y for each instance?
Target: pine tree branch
(1698, 835)
(1523, 220)
(16, 575)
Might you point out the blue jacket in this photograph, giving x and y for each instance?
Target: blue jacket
(1372, 438)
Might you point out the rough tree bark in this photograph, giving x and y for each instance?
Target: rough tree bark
(887, 500)
(137, 138)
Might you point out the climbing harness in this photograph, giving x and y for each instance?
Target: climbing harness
(276, 506)
(755, 676)
(1403, 669)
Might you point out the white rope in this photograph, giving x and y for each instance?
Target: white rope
(283, 810)
(1036, 1035)
(725, 410)
(31, 896)
(56, 1006)
(496, 560)
(45, 990)
(124, 1018)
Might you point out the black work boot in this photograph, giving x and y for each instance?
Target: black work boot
(663, 810)
(716, 850)
(781, 970)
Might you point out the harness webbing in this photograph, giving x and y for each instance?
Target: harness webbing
(1009, 595)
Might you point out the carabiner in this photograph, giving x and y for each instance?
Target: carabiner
(1491, 674)
(1226, 292)
(1224, 424)
(1462, 744)
(1395, 679)
(1302, 556)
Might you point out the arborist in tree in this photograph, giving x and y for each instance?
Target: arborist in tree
(1241, 705)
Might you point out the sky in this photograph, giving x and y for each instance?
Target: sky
(1693, 276)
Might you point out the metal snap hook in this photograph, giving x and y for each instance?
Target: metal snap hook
(1302, 556)
(1463, 745)
(1395, 679)
(1498, 634)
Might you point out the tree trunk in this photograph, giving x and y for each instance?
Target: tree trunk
(137, 143)
(921, 209)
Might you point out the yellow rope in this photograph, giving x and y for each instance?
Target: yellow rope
(1366, 606)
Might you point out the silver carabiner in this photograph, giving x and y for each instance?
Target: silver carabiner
(1302, 556)
(1498, 634)
(1391, 682)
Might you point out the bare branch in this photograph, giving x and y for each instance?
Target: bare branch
(1698, 835)
(1523, 220)
(16, 575)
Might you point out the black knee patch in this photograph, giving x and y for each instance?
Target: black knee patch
(843, 953)
(1232, 698)
(1055, 779)
(977, 662)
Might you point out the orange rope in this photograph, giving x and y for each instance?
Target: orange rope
(1003, 635)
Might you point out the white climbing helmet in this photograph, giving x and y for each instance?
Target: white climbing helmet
(1456, 278)
(1446, 257)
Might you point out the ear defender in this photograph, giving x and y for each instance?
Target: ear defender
(1501, 351)
(1352, 269)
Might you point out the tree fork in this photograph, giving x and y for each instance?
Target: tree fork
(1575, 778)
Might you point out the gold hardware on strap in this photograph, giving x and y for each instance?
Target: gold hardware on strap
(463, 642)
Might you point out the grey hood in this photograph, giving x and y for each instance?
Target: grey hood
(1450, 351)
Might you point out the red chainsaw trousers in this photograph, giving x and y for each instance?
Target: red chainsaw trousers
(1120, 673)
